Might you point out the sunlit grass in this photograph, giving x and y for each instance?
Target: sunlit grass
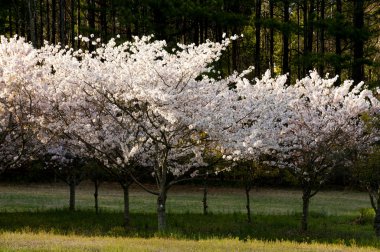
(24, 241)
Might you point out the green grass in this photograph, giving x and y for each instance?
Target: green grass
(181, 200)
(41, 209)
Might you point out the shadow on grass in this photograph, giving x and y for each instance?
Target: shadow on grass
(325, 229)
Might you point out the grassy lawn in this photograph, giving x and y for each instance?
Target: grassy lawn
(38, 213)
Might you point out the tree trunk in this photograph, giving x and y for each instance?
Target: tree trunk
(305, 208)
(322, 38)
(305, 37)
(62, 19)
(258, 38)
(96, 183)
(161, 214)
(338, 44)
(78, 23)
(53, 20)
(72, 185)
(91, 19)
(126, 204)
(113, 17)
(271, 37)
(358, 65)
(285, 39)
(103, 20)
(10, 22)
(72, 28)
(248, 205)
(47, 21)
(204, 201)
(376, 221)
(32, 17)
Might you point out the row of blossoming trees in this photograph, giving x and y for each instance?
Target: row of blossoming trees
(140, 106)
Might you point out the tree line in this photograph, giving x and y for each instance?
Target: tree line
(339, 37)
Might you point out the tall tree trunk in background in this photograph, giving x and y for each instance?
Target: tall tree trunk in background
(358, 65)
(47, 20)
(257, 56)
(41, 23)
(160, 19)
(285, 40)
(62, 21)
(298, 42)
(78, 22)
(103, 20)
(72, 24)
(91, 19)
(24, 21)
(32, 17)
(310, 27)
(305, 37)
(271, 37)
(322, 37)
(10, 22)
(17, 17)
(338, 42)
(53, 21)
(113, 15)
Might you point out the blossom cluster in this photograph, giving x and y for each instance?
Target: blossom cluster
(141, 104)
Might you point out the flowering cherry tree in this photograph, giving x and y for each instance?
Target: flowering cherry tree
(134, 105)
(18, 75)
(323, 127)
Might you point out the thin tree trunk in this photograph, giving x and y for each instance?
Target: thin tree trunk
(91, 19)
(96, 184)
(32, 17)
(305, 208)
(305, 37)
(204, 201)
(248, 205)
(72, 184)
(322, 38)
(258, 38)
(161, 212)
(358, 66)
(41, 24)
(54, 20)
(10, 21)
(113, 15)
(47, 20)
(338, 45)
(17, 17)
(62, 19)
(103, 20)
(72, 28)
(127, 217)
(285, 39)
(376, 221)
(271, 37)
(78, 23)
